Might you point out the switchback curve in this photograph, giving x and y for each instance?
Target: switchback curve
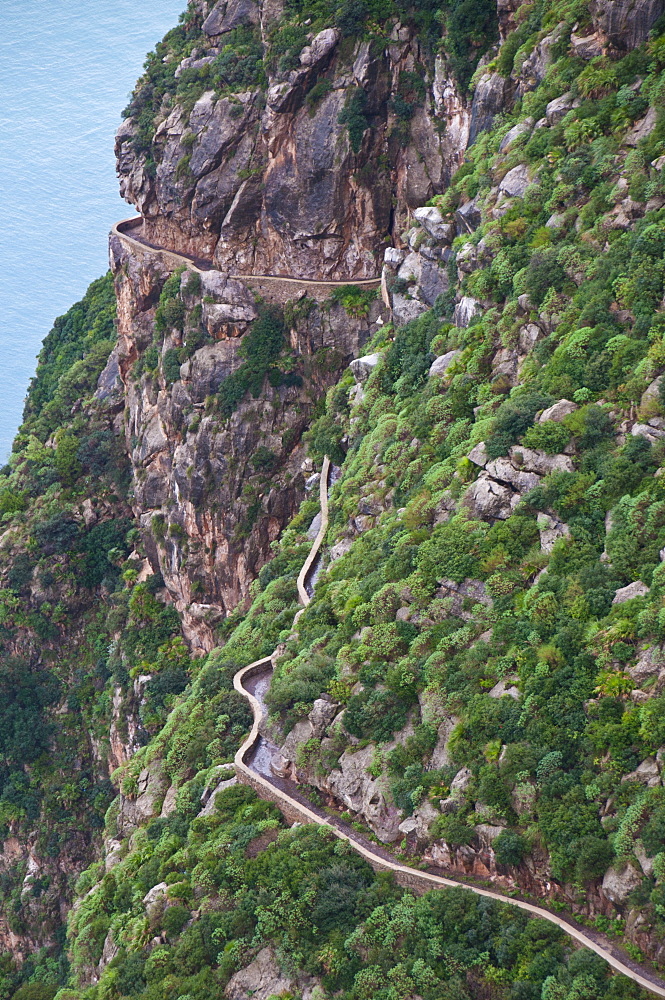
(381, 860)
(200, 266)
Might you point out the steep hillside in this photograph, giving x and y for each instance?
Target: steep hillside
(479, 679)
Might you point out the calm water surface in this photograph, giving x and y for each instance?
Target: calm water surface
(66, 70)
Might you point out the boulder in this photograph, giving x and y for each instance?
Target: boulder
(641, 130)
(586, 47)
(468, 217)
(361, 793)
(440, 755)
(209, 807)
(433, 281)
(440, 365)
(420, 822)
(515, 132)
(405, 308)
(465, 310)
(155, 900)
(516, 181)
(635, 589)
(505, 472)
(625, 24)
(651, 434)
(646, 863)
(362, 368)
(432, 221)
(461, 782)
(393, 257)
(489, 99)
(489, 500)
(301, 732)
(229, 14)
(618, 883)
(478, 454)
(207, 368)
(321, 715)
(534, 460)
(559, 107)
(261, 979)
(487, 833)
(529, 335)
(320, 47)
(649, 663)
(551, 531)
(152, 785)
(558, 411)
(410, 268)
(505, 687)
(650, 402)
(648, 773)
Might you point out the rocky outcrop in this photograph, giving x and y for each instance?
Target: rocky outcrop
(625, 24)
(207, 513)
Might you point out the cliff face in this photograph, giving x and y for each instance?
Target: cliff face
(312, 172)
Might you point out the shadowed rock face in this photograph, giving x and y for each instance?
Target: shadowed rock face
(625, 24)
(267, 181)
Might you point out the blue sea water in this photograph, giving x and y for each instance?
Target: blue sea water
(66, 71)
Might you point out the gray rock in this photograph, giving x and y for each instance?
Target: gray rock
(433, 281)
(478, 454)
(361, 793)
(505, 687)
(534, 460)
(468, 217)
(393, 257)
(489, 500)
(301, 732)
(551, 531)
(229, 14)
(110, 388)
(320, 47)
(651, 434)
(505, 472)
(155, 900)
(560, 107)
(489, 98)
(625, 24)
(209, 807)
(650, 401)
(648, 773)
(432, 220)
(635, 589)
(640, 131)
(321, 715)
(207, 368)
(516, 181)
(410, 268)
(649, 663)
(441, 365)
(515, 132)
(405, 309)
(529, 336)
(152, 785)
(487, 833)
(363, 367)
(558, 411)
(261, 979)
(586, 47)
(618, 883)
(465, 310)
(646, 863)
(460, 783)
(440, 754)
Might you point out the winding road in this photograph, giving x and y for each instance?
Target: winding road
(200, 265)
(252, 763)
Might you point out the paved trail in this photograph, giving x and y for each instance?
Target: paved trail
(291, 800)
(122, 231)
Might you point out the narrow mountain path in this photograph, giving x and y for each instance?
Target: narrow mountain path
(252, 763)
(200, 265)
